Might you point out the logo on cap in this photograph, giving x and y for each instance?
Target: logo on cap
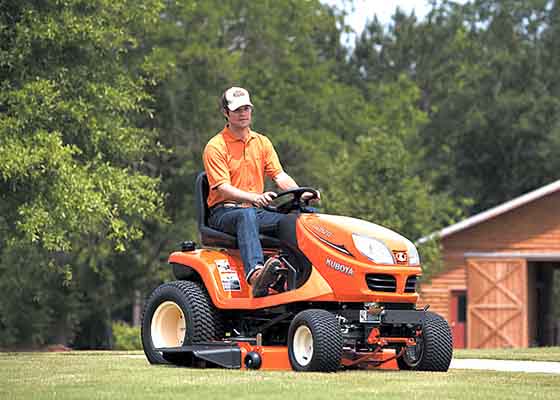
(236, 97)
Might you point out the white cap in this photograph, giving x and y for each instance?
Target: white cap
(237, 97)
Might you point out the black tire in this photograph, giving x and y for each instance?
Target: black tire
(171, 303)
(434, 347)
(315, 342)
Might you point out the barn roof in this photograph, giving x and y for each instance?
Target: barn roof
(495, 211)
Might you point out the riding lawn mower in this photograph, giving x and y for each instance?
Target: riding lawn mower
(344, 298)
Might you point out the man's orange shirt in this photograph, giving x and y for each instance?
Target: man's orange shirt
(242, 164)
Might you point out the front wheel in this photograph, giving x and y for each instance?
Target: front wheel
(315, 342)
(434, 347)
(177, 313)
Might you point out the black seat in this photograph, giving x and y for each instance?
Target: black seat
(211, 237)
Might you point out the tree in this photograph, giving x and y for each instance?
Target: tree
(492, 113)
(71, 180)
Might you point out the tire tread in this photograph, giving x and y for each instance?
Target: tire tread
(327, 340)
(205, 319)
(439, 352)
(437, 346)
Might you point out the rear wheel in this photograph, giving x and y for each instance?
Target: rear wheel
(434, 347)
(177, 313)
(315, 341)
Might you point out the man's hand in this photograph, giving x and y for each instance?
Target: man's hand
(308, 196)
(264, 199)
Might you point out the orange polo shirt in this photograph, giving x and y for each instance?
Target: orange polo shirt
(242, 164)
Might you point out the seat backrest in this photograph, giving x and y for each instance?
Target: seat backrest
(201, 193)
(208, 236)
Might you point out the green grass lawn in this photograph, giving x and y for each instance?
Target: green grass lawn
(532, 354)
(118, 375)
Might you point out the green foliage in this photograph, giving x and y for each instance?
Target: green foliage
(72, 154)
(484, 71)
(431, 258)
(40, 303)
(126, 337)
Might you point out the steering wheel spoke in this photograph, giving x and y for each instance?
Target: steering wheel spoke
(296, 203)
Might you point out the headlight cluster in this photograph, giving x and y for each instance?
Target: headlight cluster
(373, 249)
(377, 252)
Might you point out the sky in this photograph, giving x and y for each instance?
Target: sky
(364, 10)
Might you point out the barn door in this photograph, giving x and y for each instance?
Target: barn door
(458, 317)
(497, 309)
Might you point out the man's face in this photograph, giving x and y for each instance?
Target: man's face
(241, 117)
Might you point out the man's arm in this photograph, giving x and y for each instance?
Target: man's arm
(232, 193)
(285, 181)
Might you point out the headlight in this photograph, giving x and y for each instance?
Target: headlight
(373, 249)
(413, 256)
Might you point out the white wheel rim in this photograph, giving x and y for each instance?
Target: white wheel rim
(168, 326)
(303, 345)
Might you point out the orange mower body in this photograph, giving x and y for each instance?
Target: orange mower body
(345, 297)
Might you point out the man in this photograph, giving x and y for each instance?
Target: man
(236, 161)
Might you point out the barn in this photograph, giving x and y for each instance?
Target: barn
(500, 283)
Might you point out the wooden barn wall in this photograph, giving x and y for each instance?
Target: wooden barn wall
(532, 228)
(437, 292)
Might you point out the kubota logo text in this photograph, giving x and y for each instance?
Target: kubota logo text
(345, 269)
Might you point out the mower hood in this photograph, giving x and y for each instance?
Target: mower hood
(346, 233)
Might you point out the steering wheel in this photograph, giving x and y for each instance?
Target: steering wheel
(295, 203)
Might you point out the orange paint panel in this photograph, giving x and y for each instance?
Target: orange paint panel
(206, 261)
(334, 276)
(273, 358)
(347, 274)
(338, 274)
(276, 358)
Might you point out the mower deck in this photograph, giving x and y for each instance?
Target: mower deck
(245, 355)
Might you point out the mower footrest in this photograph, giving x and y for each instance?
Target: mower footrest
(226, 355)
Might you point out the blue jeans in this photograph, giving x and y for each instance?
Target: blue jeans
(245, 223)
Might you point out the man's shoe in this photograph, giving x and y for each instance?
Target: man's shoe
(267, 277)
(254, 274)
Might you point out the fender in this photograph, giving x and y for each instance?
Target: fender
(224, 279)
